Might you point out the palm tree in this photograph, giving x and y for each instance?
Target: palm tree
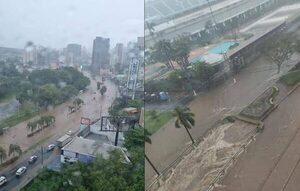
(47, 120)
(32, 126)
(3, 155)
(184, 118)
(77, 103)
(71, 109)
(148, 140)
(151, 29)
(103, 90)
(14, 149)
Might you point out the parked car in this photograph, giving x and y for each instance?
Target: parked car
(32, 159)
(50, 147)
(21, 171)
(3, 180)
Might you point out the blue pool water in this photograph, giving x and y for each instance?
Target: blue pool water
(222, 47)
(197, 59)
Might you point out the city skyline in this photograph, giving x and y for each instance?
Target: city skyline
(47, 24)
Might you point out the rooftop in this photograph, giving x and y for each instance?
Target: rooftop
(89, 147)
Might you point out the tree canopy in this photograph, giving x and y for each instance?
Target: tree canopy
(101, 175)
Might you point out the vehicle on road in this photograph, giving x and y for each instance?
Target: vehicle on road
(62, 141)
(70, 133)
(21, 171)
(32, 159)
(50, 147)
(3, 180)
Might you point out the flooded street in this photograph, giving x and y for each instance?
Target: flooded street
(228, 98)
(64, 121)
(272, 161)
(197, 170)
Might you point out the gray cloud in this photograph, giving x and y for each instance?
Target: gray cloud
(58, 22)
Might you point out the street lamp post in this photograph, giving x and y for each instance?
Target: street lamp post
(42, 156)
(117, 132)
(211, 12)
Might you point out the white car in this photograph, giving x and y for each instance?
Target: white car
(50, 147)
(21, 171)
(32, 159)
(70, 133)
(3, 180)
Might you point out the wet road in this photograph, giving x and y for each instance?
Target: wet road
(210, 106)
(12, 180)
(64, 123)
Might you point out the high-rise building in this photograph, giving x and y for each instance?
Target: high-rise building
(100, 56)
(73, 54)
(30, 55)
(119, 53)
(140, 43)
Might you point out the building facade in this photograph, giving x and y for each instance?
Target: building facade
(73, 54)
(100, 55)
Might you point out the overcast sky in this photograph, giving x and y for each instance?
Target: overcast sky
(55, 23)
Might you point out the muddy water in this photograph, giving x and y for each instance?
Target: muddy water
(208, 107)
(64, 121)
(198, 169)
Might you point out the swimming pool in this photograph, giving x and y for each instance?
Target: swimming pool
(222, 48)
(197, 59)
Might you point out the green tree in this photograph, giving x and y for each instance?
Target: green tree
(82, 83)
(203, 72)
(48, 95)
(280, 49)
(32, 126)
(98, 85)
(42, 77)
(3, 154)
(111, 173)
(103, 90)
(184, 118)
(150, 27)
(162, 51)
(181, 50)
(14, 149)
(77, 103)
(68, 91)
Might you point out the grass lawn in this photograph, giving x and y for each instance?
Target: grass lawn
(152, 125)
(291, 78)
(25, 112)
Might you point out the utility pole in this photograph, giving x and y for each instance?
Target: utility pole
(211, 12)
(117, 132)
(152, 165)
(42, 156)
